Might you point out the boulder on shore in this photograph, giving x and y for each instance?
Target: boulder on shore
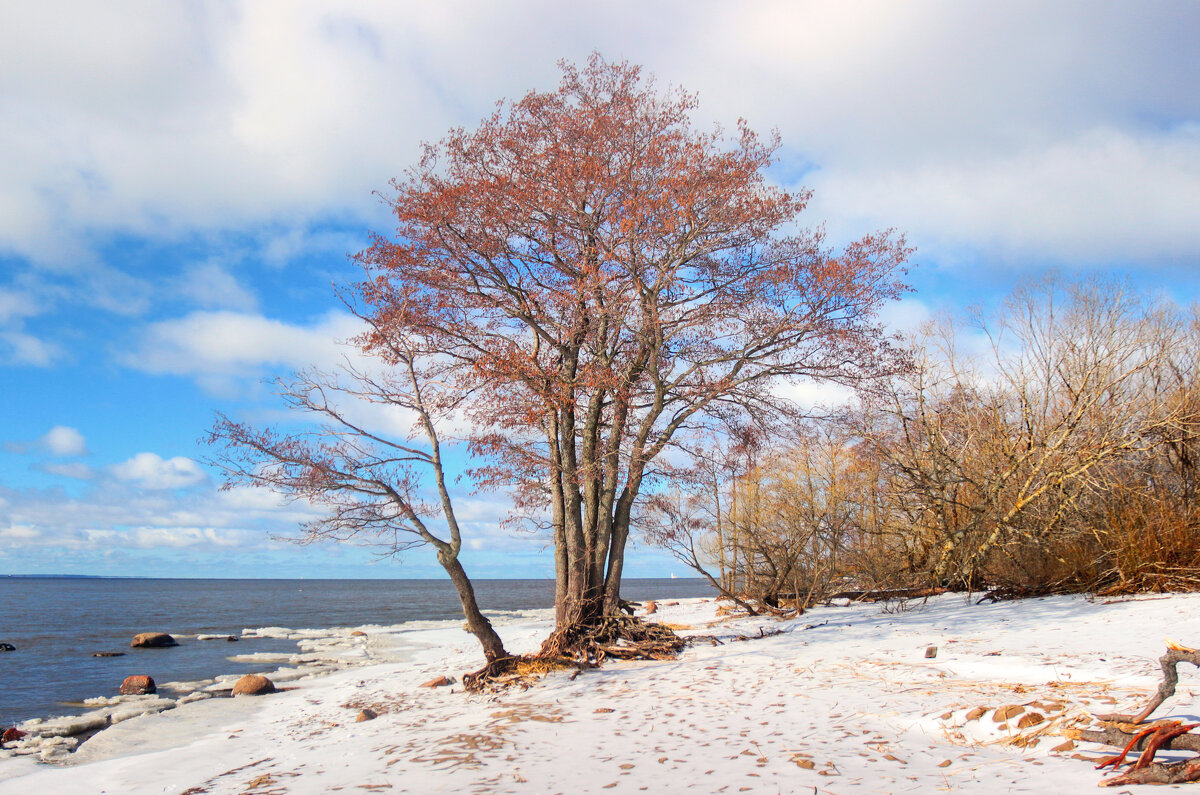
(253, 685)
(11, 735)
(138, 686)
(152, 640)
(441, 681)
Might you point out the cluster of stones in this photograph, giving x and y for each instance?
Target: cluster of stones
(54, 739)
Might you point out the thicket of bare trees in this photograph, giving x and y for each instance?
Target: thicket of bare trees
(1051, 447)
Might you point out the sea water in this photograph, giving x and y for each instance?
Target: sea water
(57, 624)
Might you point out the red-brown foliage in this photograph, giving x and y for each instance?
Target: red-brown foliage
(597, 275)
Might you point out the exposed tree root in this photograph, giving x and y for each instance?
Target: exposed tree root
(620, 637)
(520, 671)
(580, 646)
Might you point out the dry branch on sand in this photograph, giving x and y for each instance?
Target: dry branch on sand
(1169, 662)
(1129, 733)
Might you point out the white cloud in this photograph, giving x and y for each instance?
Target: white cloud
(1103, 196)
(20, 348)
(182, 537)
(167, 118)
(64, 440)
(76, 470)
(219, 348)
(211, 286)
(16, 305)
(152, 472)
(17, 346)
(905, 316)
(115, 515)
(19, 532)
(810, 395)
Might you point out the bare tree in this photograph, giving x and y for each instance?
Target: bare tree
(776, 523)
(984, 449)
(372, 486)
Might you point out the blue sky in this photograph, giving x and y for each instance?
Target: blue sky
(181, 184)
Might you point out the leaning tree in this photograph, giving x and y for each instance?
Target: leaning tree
(596, 275)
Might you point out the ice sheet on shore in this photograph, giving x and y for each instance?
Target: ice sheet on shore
(320, 651)
(843, 701)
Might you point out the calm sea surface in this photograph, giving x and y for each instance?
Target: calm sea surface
(56, 624)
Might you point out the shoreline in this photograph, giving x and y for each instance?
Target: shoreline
(58, 738)
(56, 626)
(842, 700)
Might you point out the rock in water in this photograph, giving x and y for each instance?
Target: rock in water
(138, 686)
(153, 640)
(253, 685)
(108, 654)
(7, 647)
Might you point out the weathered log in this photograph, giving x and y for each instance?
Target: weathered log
(1118, 738)
(886, 594)
(1169, 663)
(1158, 773)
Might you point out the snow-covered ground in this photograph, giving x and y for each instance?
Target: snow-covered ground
(844, 700)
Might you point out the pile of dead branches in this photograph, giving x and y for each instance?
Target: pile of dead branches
(1133, 733)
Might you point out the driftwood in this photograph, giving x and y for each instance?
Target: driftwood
(1130, 733)
(763, 632)
(1169, 662)
(1120, 738)
(885, 595)
(1158, 773)
(1152, 738)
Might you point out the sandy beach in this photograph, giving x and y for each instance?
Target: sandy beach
(844, 699)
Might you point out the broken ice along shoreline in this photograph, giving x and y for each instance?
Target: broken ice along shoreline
(319, 652)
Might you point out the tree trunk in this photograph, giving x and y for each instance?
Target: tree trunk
(477, 623)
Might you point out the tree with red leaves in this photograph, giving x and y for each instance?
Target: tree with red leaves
(579, 281)
(592, 275)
